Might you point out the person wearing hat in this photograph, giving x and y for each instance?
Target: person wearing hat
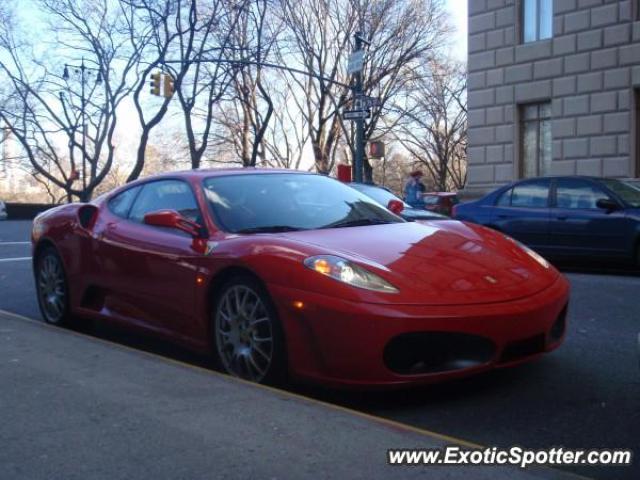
(413, 190)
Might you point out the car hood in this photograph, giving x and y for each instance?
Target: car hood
(438, 263)
(418, 214)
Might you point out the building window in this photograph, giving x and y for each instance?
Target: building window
(535, 139)
(537, 20)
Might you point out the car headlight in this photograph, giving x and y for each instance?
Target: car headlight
(348, 272)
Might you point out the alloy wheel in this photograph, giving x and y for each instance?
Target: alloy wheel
(52, 288)
(244, 333)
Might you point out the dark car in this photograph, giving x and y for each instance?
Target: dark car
(384, 196)
(564, 217)
(634, 182)
(440, 202)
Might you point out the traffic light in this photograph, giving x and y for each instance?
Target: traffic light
(156, 79)
(169, 86)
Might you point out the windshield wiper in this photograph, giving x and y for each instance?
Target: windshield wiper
(358, 223)
(270, 229)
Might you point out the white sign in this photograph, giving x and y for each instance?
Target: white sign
(355, 114)
(364, 102)
(356, 62)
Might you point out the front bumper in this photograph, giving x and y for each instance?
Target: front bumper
(342, 343)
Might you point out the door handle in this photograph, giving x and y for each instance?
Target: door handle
(504, 216)
(562, 217)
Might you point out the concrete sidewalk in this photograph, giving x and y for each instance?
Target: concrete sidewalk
(75, 407)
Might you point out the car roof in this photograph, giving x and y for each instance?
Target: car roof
(216, 172)
(555, 177)
(363, 184)
(196, 174)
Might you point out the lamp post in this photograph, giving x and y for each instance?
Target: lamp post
(83, 72)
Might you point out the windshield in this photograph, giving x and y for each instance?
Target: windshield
(273, 202)
(627, 193)
(379, 194)
(634, 183)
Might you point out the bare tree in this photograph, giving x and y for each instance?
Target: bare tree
(402, 35)
(434, 130)
(206, 34)
(288, 133)
(47, 108)
(319, 40)
(158, 15)
(245, 119)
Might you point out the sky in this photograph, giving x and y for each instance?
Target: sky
(458, 11)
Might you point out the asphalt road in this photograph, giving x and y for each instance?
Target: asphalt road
(200, 425)
(584, 395)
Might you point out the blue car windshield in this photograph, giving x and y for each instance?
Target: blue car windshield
(628, 194)
(280, 202)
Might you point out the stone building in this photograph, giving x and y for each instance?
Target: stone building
(554, 89)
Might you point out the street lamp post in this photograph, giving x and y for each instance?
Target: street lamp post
(82, 71)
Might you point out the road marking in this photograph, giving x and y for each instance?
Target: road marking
(16, 259)
(15, 243)
(380, 420)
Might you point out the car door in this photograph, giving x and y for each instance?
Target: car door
(579, 227)
(522, 212)
(150, 272)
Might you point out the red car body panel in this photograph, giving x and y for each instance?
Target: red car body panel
(451, 277)
(330, 326)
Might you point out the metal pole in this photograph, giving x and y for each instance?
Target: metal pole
(357, 96)
(84, 127)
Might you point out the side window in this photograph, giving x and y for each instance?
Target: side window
(166, 195)
(504, 200)
(531, 194)
(577, 194)
(121, 203)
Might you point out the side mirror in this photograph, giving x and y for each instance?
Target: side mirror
(607, 204)
(172, 219)
(395, 206)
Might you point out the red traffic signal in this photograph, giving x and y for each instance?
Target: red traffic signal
(376, 149)
(344, 173)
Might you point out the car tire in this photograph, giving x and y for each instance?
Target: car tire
(247, 335)
(52, 287)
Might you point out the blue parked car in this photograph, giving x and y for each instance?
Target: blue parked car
(564, 217)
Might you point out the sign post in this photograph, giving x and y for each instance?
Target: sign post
(357, 60)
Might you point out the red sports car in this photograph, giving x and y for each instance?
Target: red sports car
(287, 273)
